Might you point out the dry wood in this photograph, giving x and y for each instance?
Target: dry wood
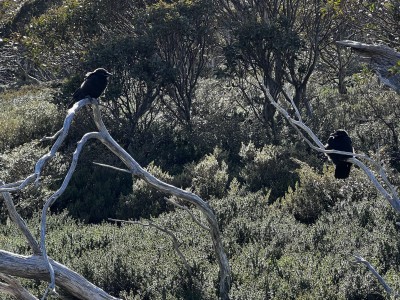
(381, 58)
(42, 267)
(33, 267)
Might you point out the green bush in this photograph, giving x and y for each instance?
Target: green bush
(116, 258)
(27, 114)
(271, 253)
(268, 168)
(210, 176)
(316, 193)
(144, 201)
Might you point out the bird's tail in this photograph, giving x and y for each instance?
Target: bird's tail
(342, 170)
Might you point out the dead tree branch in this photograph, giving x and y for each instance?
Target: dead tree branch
(381, 58)
(62, 134)
(382, 281)
(197, 221)
(33, 267)
(53, 268)
(11, 286)
(54, 197)
(20, 222)
(390, 192)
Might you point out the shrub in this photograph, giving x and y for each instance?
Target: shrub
(93, 192)
(210, 176)
(144, 201)
(267, 168)
(315, 193)
(26, 114)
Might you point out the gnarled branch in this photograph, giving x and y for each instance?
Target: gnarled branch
(11, 286)
(103, 135)
(33, 267)
(390, 193)
(382, 59)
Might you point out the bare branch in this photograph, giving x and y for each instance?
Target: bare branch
(12, 287)
(61, 137)
(313, 141)
(53, 137)
(54, 197)
(387, 288)
(18, 185)
(35, 177)
(20, 222)
(175, 241)
(381, 58)
(33, 267)
(112, 167)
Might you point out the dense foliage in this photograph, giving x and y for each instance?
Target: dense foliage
(186, 102)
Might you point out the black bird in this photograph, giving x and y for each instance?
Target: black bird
(340, 140)
(94, 85)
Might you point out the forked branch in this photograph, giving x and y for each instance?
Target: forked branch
(134, 168)
(390, 192)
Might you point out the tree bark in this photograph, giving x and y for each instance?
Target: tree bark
(33, 267)
(382, 59)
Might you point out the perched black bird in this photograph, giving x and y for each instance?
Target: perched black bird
(94, 85)
(340, 141)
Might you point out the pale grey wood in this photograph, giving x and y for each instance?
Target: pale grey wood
(381, 59)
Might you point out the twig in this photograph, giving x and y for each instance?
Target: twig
(112, 167)
(51, 138)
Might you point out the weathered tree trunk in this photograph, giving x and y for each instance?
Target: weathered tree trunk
(381, 58)
(33, 267)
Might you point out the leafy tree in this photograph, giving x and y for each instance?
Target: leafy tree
(183, 32)
(138, 81)
(270, 44)
(375, 20)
